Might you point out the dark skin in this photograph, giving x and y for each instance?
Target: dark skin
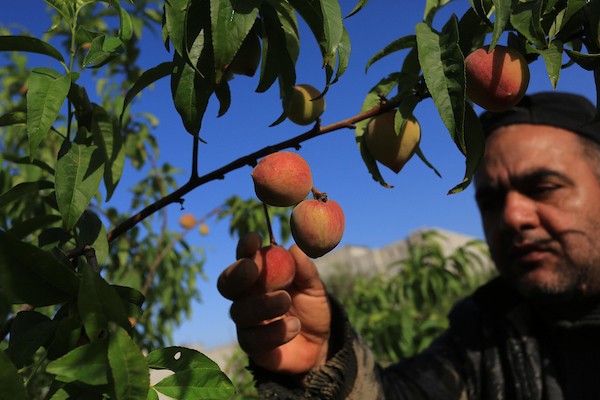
(539, 199)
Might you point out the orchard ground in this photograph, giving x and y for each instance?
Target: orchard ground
(375, 216)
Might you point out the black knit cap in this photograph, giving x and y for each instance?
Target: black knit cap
(568, 111)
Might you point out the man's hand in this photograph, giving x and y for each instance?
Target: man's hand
(284, 331)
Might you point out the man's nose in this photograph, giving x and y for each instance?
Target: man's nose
(520, 212)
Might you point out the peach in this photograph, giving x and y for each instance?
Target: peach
(496, 80)
(247, 58)
(391, 149)
(304, 107)
(187, 221)
(277, 267)
(282, 179)
(317, 226)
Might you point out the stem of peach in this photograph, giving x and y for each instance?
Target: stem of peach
(269, 227)
(317, 195)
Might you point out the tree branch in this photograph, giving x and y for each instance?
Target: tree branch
(250, 159)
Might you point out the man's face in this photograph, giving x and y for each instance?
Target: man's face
(539, 198)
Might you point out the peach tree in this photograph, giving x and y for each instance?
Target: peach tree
(79, 282)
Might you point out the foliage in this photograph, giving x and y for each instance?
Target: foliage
(401, 310)
(93, 298)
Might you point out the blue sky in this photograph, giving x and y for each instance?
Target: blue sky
(375, 216)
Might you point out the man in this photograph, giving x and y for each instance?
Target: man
(531, 333)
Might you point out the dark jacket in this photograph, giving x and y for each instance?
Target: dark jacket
(496, 347)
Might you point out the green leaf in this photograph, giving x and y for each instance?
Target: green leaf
(196, 384)
(443, 69)
(23, 189)
(147, 78)
(29, 331)
(333, 28)
(132, 299)
(192, 84)
(501, 19)
(87, 364)
(359, 6)
(231, 21)
(125, 23)
(373, 99)
(111, 142)
(20, 230)
(343, 52)
(79, 172)
(277, 60)
(129, 372)
(177, 359)
(33, 276)
(45, 97)
(10, 380)
(223, 93)
(431, 8)
(93, 233)
(66, 338)
(13, 118)
(553, 59)
(324, 18)
(472, 31)
(175, 24)
(475, 144)
(30, 45)
(405, 42)
(589, 62)
(99, 304)
(104, 49)
(526, 19)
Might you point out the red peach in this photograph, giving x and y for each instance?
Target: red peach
(282, 179)
(496, 80)
(317, 226)
(277, 267)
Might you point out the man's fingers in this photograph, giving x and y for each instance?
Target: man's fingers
(237, 278)
(307, 277)
(263, 338)
(248, 245)
(255, 309)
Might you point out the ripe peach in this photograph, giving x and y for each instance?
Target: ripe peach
(302, 109)
(317, 226)
(282, 179)
(391, 149)
(203, 229)
(247, 58)
(496, 80)
(277, 267)
(187, 221)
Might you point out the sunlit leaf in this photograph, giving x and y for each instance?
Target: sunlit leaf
(45, 97)
(526, 19)
(196, 384)
(86, 364)
(79, 171)
(231, 21)
(443, 69)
